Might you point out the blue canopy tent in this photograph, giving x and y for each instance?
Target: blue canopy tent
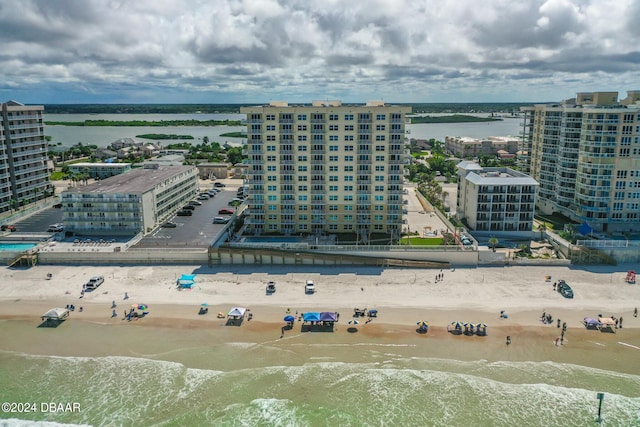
(329, 316)
(186, 281)
(312, 316)
(585, 229)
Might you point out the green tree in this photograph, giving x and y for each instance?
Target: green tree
(234, 155)
(493, 242)
(542, 227)
(205, 140)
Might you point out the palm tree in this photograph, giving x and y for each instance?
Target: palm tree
(493, 242)
(542, 227)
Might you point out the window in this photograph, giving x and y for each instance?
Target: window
(348, 117)
(272, 187)
(302, 137)
(333, 159)
(378, 198)
(302, 158)
(302, 148)
(271, 138)
(624, 152)
(348, 188)
(333, 148)
(272, 198)
(334, 127)
(348, 148)
(348, 168)
(348, 217)
(348, 127)
(333, 138)
(272, 207)
(302, 117)
(271, 127)
(379, 168)
(379, 178)
(271, 116)
(348, 178)
(348, 158)
(380, 127)
(271, 168)
(271, 158)
(302, 178)
(333, 168)
(302, 188)
(348, 137)
(333, 207)
(271, 148)
(381, 117)
(302, 197)
(302, 168)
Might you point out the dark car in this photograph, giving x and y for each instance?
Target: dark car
(226, 211)
(189, 207)
(219, 184)
(169, 225)
(8, 227)
(564, 289)
(235, 202)
(184, 212)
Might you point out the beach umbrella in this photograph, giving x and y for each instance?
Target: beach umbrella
(143, 307)
(353, 322)
(289, 318)
(134, 305)
(422, 323)
(204, 304)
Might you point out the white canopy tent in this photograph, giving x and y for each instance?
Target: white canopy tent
(56, 314)
(237, 312)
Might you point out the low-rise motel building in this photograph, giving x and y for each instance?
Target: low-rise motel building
(129, 203)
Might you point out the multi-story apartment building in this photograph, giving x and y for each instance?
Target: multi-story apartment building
(325, 168)
(24, 173)
(585, 153)
(497, 201)
(100, 170)
(467, 147)
(130, 203)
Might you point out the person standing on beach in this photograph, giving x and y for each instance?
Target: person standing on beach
(635, 312)
(620, 322)
(508, 339)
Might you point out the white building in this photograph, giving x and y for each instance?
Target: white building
(24, 172)
(100, 170)
(585, 153)
(130, 203)
(326, 168)
(496, 201)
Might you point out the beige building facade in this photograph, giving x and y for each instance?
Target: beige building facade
(24, 170)
(585, 153)
(466, 147)
(325, 168)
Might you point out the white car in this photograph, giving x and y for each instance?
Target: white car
(310, 287)
(94, 283)
(55, 228)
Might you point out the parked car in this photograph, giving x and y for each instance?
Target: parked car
(271, 288)
(219, 184)
(221, 220)
(226, 211)
(169, 225)
(8, 228)
(310, 287)
(93, 283)
(195, 203)
(55, 228)
(189, 207)
(185, 212)
(235, 202)
(203, 197)
(564, 289)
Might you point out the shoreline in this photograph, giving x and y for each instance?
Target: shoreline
(402, 297)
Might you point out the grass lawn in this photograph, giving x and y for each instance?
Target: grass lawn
(421, 241)
(57, 176)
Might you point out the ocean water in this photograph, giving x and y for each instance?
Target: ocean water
(377, 385)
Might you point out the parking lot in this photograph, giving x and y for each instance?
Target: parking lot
(39, 222)
(195, 230)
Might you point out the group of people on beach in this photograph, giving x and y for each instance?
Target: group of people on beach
(439, 276)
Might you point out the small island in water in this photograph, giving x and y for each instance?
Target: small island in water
(159, 136)
(454, 118)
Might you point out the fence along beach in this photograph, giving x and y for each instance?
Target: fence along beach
(204, 356)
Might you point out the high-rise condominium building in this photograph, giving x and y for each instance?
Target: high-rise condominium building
(325, 168)
(24, 176)
(585, 153)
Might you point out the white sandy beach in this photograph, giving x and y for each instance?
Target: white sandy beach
(598, 290)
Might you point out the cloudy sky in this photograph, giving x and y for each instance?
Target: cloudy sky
(238, 51)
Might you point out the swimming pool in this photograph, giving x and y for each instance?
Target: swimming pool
(16, 247)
